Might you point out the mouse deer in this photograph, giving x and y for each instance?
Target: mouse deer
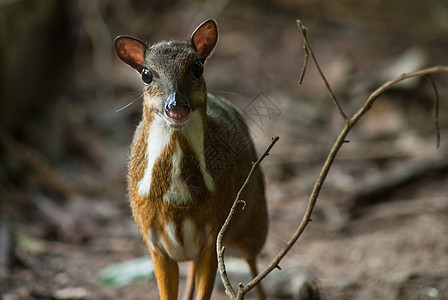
(189, 156)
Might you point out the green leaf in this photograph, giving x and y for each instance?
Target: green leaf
(127, 272)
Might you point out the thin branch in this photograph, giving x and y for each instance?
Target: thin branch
(329, 162)
(387, 85)
(307, 216)
(436, 109)
(310, 51)
(219, 248)
(306, 56)
(349, 123)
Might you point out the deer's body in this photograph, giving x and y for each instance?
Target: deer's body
(190, 155)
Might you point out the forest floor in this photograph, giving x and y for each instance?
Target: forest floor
(379, 229)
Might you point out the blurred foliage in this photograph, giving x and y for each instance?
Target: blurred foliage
(126, 272)
(35, 54)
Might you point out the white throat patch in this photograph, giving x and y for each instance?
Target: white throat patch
(178, 192)
(159, 136)
(195, 136)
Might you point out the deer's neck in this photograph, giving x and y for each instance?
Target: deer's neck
(172, 148)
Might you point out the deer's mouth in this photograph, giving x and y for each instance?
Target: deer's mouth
(177, 117)
(177, 110)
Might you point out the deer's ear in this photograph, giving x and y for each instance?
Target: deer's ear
(131, 51)
(204, 38)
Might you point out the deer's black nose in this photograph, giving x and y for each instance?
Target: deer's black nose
(177, 107)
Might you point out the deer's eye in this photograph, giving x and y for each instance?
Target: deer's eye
(146, 76)
(198, 69)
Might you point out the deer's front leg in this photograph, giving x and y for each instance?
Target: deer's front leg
(167, 275)
(205, 268)
(189, 287)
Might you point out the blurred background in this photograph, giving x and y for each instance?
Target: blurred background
(68, 109)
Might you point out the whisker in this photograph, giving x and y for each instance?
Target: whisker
(124, 107)
(229, 93)
(129, 104)
(216, 89)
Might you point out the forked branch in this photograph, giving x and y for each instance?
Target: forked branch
(219, 247)
(341, 139)
(308, 52)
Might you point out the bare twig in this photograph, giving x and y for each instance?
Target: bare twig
(349, 123)
(387, 85)
(331, 156)
(219, 248)
(309, 51)
(436, 109)
(307, 54)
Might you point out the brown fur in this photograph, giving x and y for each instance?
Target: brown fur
(228, 153)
